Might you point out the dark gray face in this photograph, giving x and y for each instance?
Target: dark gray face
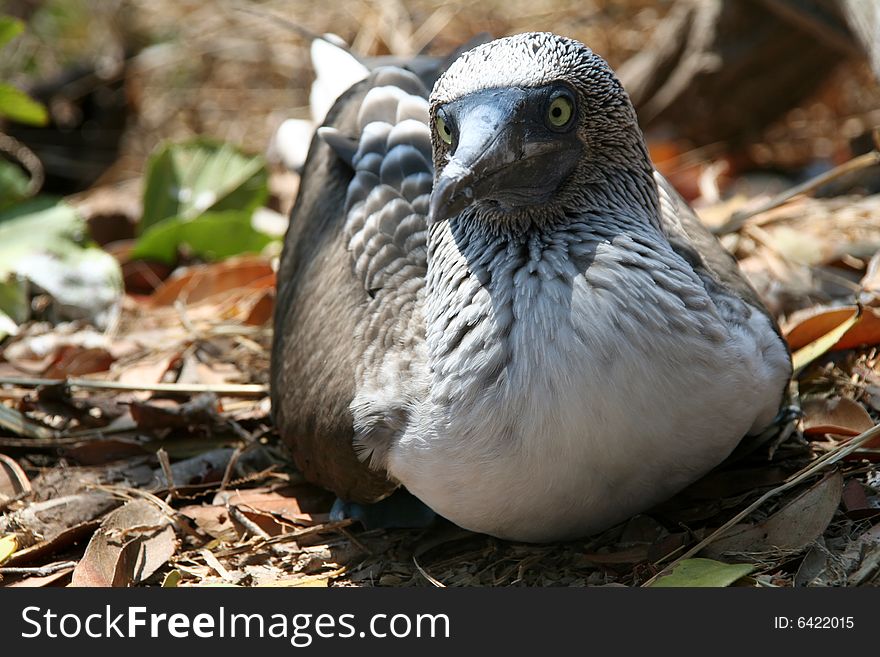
(507, 148)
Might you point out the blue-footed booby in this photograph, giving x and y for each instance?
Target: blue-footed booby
(490, 297)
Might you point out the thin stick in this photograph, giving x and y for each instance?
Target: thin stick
(230, 468)
(39, 571)
(165, 463)
(856, 164)
(226, 389)
(813, 468)
(436, 582)
(238, 515)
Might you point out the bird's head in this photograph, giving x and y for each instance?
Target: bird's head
(528, 125)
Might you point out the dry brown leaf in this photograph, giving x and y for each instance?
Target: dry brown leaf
(202, 410)
(52, 518)
(63, 348)
(823, 344)
(76, 361)
(261, 310)
(838, 415)
(139, 277)
(856, 502)
(132, 543)
(100, 451)
(302, 502)
(807, 326)
(194, 284)
(148, 371)
(194, 370)
(213, 520)
(793, 527)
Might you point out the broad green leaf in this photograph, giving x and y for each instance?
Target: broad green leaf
(44, 242)
(41, 225)
(704, 573)
(8, 546)
(13, 184)
(18, 106)
(212, 236)
(188, 179)
(9, 29)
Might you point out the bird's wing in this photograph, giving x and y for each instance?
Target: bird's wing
(347, 324)
(387, 199)
(693, 241)
(386, 228)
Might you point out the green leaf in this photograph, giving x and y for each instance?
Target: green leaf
(212, 236)
(44, 242)
(172, 579)
(188, 179)
(41, 225)
(703, 573)
(9, 29)
(13, 184)
(18, 106)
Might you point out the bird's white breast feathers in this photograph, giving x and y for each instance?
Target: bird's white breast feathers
(612, 395)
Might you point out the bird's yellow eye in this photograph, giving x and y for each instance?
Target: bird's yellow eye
(559, 112)
(443, 129)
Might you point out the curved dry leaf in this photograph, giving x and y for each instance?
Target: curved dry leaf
(132, 543)
(810, 325)
(793, 527)
(826, 342)
(837, 415)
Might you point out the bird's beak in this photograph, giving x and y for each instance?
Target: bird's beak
(504, 156)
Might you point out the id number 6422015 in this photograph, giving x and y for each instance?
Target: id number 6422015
(814, 622)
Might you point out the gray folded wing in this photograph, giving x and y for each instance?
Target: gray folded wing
(348, 326)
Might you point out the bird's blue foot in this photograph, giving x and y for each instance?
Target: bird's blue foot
(401, 510)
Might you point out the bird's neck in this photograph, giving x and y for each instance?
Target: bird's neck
(494, 299)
